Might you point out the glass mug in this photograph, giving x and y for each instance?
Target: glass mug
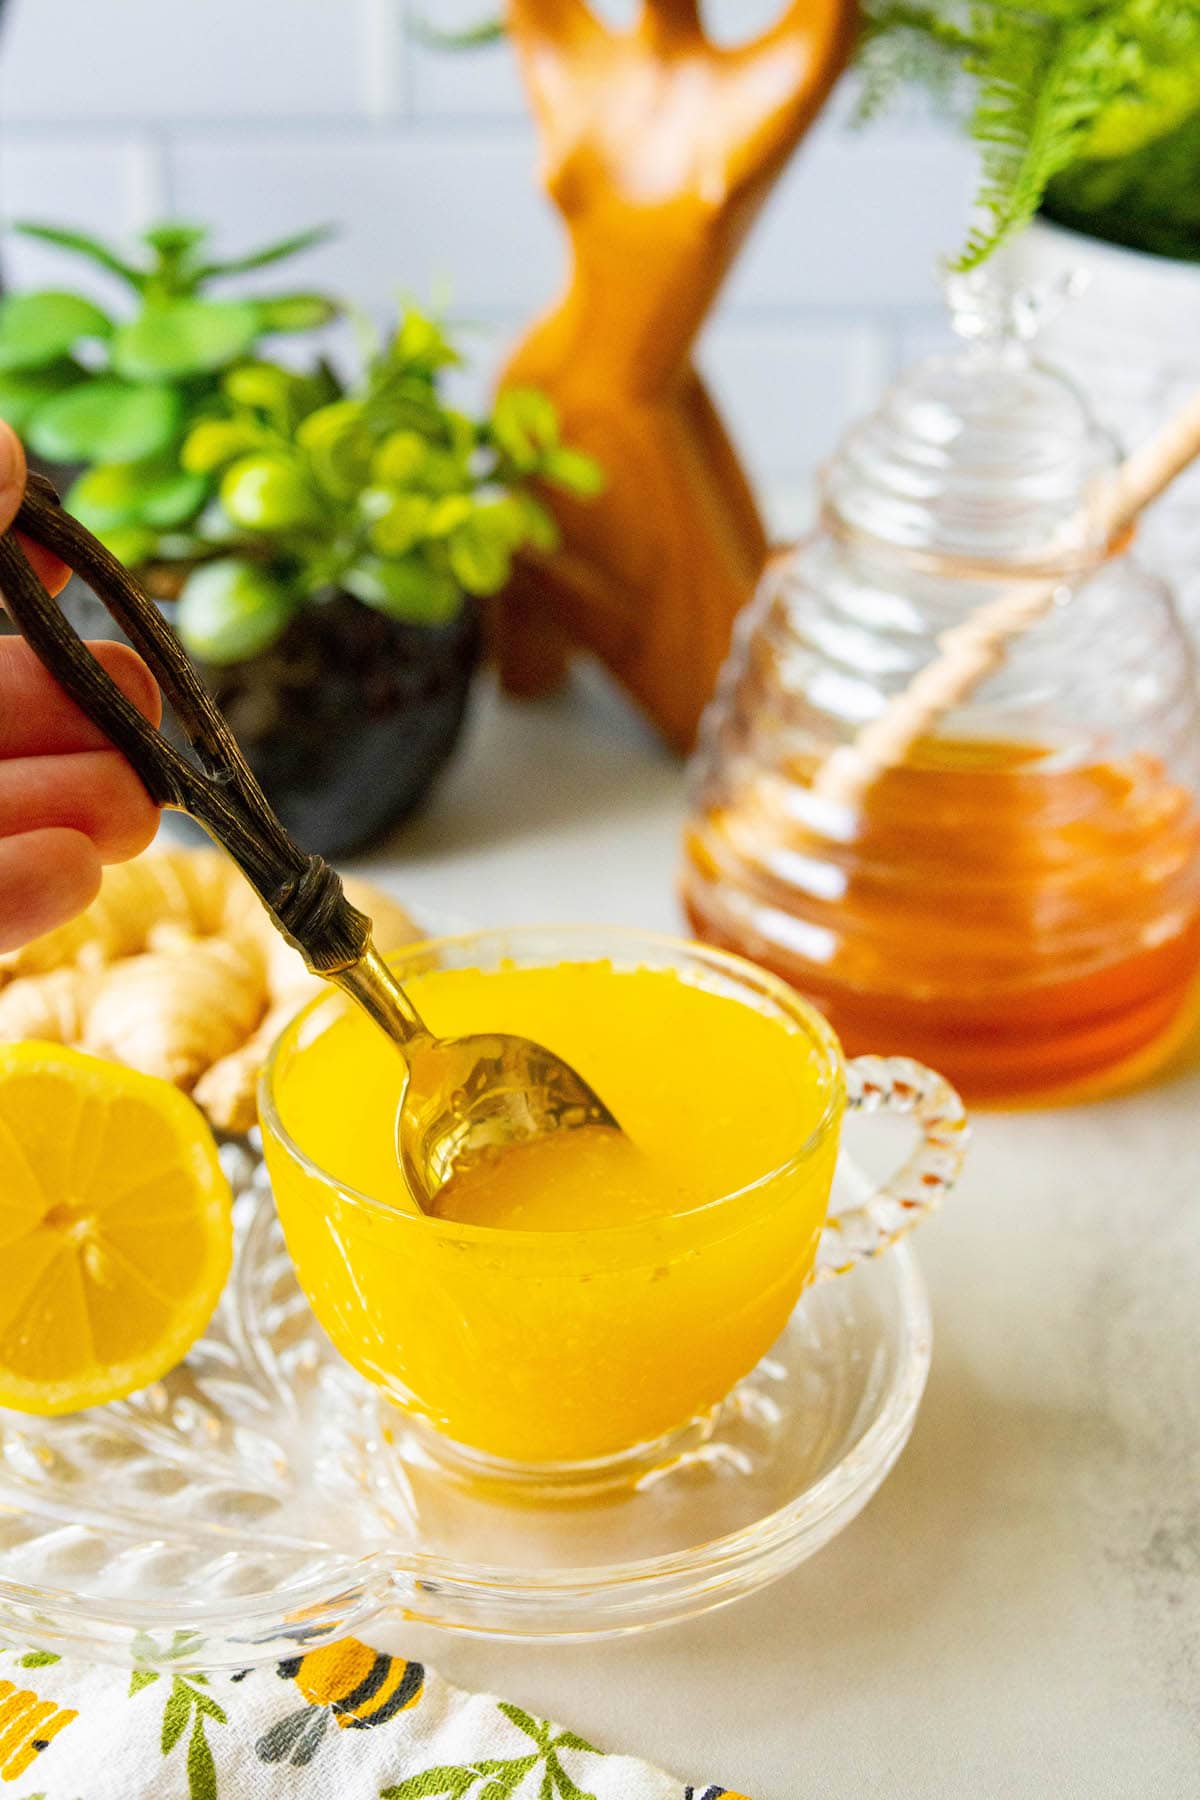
(576, 1359)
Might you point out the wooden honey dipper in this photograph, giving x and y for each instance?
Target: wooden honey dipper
(971, 651)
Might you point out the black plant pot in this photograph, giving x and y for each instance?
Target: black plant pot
(347, 721)
(350, 717)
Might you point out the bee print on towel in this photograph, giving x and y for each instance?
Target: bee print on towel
(712, 1793)
(28, 1725)
(347, 1684)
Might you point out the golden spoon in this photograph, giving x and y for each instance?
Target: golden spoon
(466, 1096)
(461, 1096)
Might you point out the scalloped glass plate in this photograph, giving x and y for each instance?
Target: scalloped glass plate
(265, 1496)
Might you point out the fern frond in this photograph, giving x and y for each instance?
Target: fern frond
(1039, 96)
(1077, 79)
(898, 51)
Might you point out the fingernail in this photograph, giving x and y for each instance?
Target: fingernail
(12, 460)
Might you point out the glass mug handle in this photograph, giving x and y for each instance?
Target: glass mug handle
(899, 1086)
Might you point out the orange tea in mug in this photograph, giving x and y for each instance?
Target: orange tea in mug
(578, 1301)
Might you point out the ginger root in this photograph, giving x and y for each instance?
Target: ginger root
(175, 970)
(191, 888)
(173, 1013)
(51, 1007)
(227, 1091)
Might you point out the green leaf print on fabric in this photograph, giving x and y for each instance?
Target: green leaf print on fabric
(149, 1650)
(175, 1717)
(493, 1779)
(187, 1705)
(202, 1772)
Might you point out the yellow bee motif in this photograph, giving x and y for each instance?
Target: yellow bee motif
(712, 1793)
(27, 1727)
(349, 1683)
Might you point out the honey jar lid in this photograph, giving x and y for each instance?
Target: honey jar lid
(981, 453)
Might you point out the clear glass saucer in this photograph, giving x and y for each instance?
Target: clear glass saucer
(265, 1496)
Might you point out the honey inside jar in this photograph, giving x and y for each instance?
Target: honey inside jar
(1027, 922)
(591, 1292)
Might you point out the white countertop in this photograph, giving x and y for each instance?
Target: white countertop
(1016, 1616)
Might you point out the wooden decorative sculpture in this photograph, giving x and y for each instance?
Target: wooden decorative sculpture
(659, 148)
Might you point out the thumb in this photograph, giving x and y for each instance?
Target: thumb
(50, 570)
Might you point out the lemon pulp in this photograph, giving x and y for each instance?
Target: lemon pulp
(115, 1228)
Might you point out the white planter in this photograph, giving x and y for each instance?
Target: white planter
(1131, 340)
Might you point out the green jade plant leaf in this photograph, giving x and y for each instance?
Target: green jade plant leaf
(185, 337)
(42, 328)
(383, 492)
(107, 421)
(121, 395)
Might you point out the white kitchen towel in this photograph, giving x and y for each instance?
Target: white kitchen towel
(342, 1722)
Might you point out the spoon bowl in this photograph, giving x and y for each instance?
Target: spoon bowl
(467, 1097)
(470, 1097)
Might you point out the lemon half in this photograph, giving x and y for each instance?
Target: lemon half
(116, 1232)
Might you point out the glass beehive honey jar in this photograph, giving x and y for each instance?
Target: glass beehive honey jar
(1014, 899)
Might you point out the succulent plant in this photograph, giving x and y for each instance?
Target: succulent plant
(120, 395)
(381, 491)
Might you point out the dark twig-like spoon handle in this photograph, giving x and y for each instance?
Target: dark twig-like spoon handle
(460, 1097)
(302, 893)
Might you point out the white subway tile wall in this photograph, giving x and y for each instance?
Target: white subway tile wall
(262, 116)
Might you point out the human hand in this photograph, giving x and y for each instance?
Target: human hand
(69, 802)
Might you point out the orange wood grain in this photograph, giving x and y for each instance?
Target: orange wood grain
(658, 148)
